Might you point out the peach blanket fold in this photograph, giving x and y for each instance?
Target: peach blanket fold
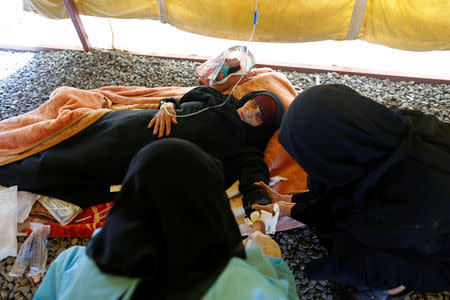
(68, 111)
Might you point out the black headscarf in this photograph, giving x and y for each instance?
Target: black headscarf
(330, 121)
(244, 158)
(171, 224)
(259, 136)
(383, 178)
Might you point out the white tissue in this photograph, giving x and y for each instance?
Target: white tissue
(275, 179)
(270, 221)
(8, 222)
(25, 202)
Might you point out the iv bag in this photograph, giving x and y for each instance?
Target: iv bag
(229, 65)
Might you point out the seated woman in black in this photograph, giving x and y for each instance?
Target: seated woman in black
(82, 169)
(379, 183)
(168, 239)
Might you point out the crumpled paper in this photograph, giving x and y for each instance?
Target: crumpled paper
(64, 212)
(25, 201)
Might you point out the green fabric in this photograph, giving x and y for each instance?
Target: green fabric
(73, 275)
(255, 278)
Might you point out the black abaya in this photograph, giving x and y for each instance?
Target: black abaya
(177, 235)
(380, 188)
(82, 169)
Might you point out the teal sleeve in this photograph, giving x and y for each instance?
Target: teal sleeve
(51, 284)
(73, 275)
(285, 275)
(255, 278)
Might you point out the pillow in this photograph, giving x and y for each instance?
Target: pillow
(280, 163)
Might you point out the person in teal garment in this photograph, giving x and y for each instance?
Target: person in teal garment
(171, 234)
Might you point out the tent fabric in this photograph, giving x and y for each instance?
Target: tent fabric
(419, 25)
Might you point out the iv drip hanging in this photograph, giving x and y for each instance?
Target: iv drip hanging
(255, 21)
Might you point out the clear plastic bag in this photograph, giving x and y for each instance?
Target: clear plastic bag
(33, 252)
(231, 63)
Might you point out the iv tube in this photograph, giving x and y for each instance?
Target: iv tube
(255, 21)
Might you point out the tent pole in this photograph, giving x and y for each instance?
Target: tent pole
(75, 17)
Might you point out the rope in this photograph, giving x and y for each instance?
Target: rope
(162, 11)
(356, 22)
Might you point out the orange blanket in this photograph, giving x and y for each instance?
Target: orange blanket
(70, 110)
(67, 112)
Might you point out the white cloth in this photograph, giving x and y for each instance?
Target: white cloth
(8, 222)
(25, 202)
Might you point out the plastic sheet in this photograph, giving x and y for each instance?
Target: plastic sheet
(33, 252)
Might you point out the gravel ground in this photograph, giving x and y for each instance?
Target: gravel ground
(30, 85)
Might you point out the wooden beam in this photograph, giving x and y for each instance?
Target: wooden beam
(75, 17)
(302, 68)
(393, 76)
(306, 68)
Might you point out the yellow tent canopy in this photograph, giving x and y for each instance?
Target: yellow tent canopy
(418, 25)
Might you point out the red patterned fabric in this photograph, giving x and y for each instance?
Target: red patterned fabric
(83, 225)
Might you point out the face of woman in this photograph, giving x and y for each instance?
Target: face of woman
(250, 113)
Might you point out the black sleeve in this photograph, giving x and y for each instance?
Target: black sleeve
(202, 95)
(316, 212)
(171, 100)
(205, 95)
(385, 268)
(249, 165)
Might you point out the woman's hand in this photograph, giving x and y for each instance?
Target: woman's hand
(162, 120)
(259, 226)
(285, 207)
(274, 196)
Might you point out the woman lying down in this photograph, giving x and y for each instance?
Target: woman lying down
(171, 239)
(82, 169)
